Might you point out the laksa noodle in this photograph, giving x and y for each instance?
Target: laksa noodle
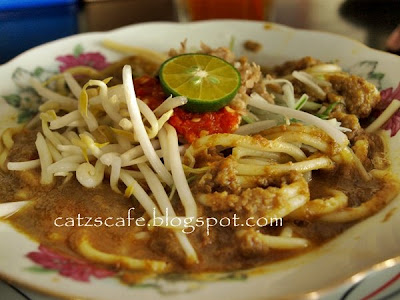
(120, 171)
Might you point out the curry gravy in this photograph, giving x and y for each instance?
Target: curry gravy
(59, 215)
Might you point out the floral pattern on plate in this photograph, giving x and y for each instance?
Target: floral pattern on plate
(368, 70)
(71, 267)
(26, 100)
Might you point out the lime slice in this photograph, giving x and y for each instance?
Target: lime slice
(208, 82)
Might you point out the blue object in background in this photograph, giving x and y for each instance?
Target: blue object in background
(23, 29)
(18, 4)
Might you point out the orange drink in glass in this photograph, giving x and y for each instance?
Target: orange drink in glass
(194, 10)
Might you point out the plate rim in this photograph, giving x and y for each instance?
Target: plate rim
(194, 23)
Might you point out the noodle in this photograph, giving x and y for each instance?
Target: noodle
(90, 176)
(65, 120)
(89, 252)
(169, 104)
(23, 165)
(136, 152)
(148, 54)
(309, 81)
(178, 174)
(140, 130)
(339, 137)
(249, 129)
(259, 144)
(45, 159)
(303, 166)
(319, 207)
(73, 85)
(53, 151)
(276, 242)
(55, 97)
(386, 114)
(139, 194)
(9, 208)
(166, 208)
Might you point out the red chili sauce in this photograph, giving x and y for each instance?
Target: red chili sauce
(188, 124)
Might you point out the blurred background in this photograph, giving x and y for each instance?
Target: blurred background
(28, 23)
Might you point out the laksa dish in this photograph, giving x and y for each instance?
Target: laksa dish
(197, 162)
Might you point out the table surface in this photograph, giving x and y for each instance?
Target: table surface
(367, 21)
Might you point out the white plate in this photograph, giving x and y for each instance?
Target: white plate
(358, 249)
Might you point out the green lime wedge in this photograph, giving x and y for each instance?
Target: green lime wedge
(208, 82)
